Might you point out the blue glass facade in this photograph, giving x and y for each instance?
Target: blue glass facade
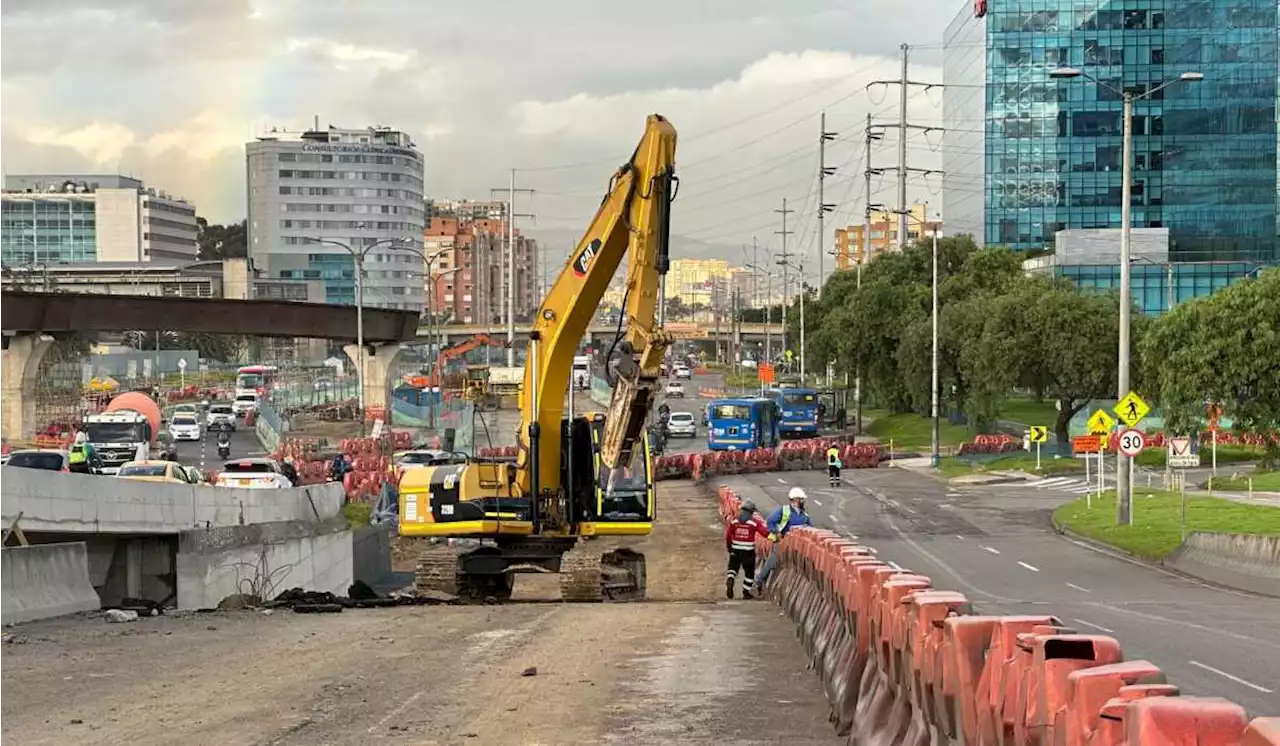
(1027, 155)
(1150, 284)
(336, 271)
(47, 231)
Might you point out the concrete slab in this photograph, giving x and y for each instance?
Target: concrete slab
(46, 580)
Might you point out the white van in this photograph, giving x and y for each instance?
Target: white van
(245, 402)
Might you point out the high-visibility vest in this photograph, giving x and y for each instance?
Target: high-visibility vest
(782, 523)
(833, 456)
(77, 455)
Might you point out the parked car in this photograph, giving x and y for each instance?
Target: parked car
(220, 413)
(46, 459)
(253, 473)
(675, 390)
(681, 425)
(184, 426)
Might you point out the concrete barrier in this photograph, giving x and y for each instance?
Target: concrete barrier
(1246, 561)
(45, 580)
(371, 553)
(262, 560)
(51, 501)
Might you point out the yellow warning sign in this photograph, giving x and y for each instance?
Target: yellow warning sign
(1100, 423)
(1039, 433)
(1131, 409)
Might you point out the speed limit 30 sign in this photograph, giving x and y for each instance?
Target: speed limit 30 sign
(1132, 442)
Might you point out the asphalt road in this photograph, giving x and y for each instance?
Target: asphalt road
(203, 454)
(997, 547)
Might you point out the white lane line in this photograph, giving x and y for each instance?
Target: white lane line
(1079, 588)
(1032, 568)
(397, 711)
(815, 502)
(953, 494)
(781, 480)
(1226, 675)
(1098, 627)
(993, 550)
(958, 536)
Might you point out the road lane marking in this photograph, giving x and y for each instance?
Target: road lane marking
(958, 536)
(1098, 627)
(815, 502)
(1226, 675)
(397, 711)
(1184, 623)
(991, 549)
(1032, 568)
(781, 480)
(1079, 588)
(1138, 563)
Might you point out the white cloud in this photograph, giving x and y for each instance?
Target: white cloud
(352, 57)
(206, 136)
(99, 143)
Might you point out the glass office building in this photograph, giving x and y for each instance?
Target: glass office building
(1027, 156)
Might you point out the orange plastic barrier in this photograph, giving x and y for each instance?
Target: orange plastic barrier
(904, 663)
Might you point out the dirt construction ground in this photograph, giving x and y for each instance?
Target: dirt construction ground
(685, 667)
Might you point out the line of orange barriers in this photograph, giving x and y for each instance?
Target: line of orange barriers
(906, 664)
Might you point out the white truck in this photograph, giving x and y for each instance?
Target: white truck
(582, 372)
(119, 437)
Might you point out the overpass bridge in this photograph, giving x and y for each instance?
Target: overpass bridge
(32, 321)
(601, 333)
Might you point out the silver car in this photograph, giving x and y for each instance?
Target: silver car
(682, 425)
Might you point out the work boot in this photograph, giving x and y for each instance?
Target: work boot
(728, 589)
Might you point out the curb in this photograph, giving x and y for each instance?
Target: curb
(1064, 530)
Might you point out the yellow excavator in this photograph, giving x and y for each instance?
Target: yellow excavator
(576, 476)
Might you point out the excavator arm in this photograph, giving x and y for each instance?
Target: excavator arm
(634, 218)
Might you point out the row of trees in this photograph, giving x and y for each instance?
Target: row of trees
(1001, 330)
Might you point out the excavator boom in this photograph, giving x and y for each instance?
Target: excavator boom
(632, 219)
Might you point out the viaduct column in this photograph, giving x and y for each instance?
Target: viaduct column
(21, 368)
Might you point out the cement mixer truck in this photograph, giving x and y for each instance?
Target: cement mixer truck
(127, 430)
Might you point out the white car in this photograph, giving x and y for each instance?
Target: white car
(683, 371)
(681, 425)
(220, 413)
(244, 403)
(184, 426)
(254, 474)
(675, 390)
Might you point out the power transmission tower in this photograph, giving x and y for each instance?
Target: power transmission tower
(823, 208)
(862, 254)
(782, 260)
(509, 308)
(904, 126)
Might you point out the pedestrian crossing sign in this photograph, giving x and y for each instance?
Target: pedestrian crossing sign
(1131, 409)
(1100, 423)
(1039, 433)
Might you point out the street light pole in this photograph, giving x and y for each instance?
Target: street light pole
(1124, 490)
(935, 436)
(358, 255)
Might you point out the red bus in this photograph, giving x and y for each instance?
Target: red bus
(256, 378)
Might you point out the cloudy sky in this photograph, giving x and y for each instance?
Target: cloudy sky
(169, 91)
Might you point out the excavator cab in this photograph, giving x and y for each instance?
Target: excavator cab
(605, 501)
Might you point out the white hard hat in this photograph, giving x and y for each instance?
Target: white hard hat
(796, 493)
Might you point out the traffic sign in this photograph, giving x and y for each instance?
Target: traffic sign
(1131, 409)
(1131, 442)
(1039, 433)
(1180, 454)
(765, 373)
(182, 363)
(1100, 423)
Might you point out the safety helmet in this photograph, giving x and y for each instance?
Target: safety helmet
(796, 493)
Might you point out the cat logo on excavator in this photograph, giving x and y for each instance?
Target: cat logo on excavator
(583, 260)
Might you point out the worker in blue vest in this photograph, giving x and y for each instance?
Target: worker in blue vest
(780, 524)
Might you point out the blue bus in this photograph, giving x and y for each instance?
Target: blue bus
(799, 411)
(742, 424)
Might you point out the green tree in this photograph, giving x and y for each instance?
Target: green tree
(1224, 348)
(215, 241)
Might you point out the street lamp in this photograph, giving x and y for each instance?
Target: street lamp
(1124, 492)
(768, 315)
(359, 256)
(804, 286)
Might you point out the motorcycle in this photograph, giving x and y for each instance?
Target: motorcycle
(224, 449)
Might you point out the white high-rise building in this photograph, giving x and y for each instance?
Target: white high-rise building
(354, 187)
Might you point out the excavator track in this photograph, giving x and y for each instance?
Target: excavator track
(587, 577)
(437, 570)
